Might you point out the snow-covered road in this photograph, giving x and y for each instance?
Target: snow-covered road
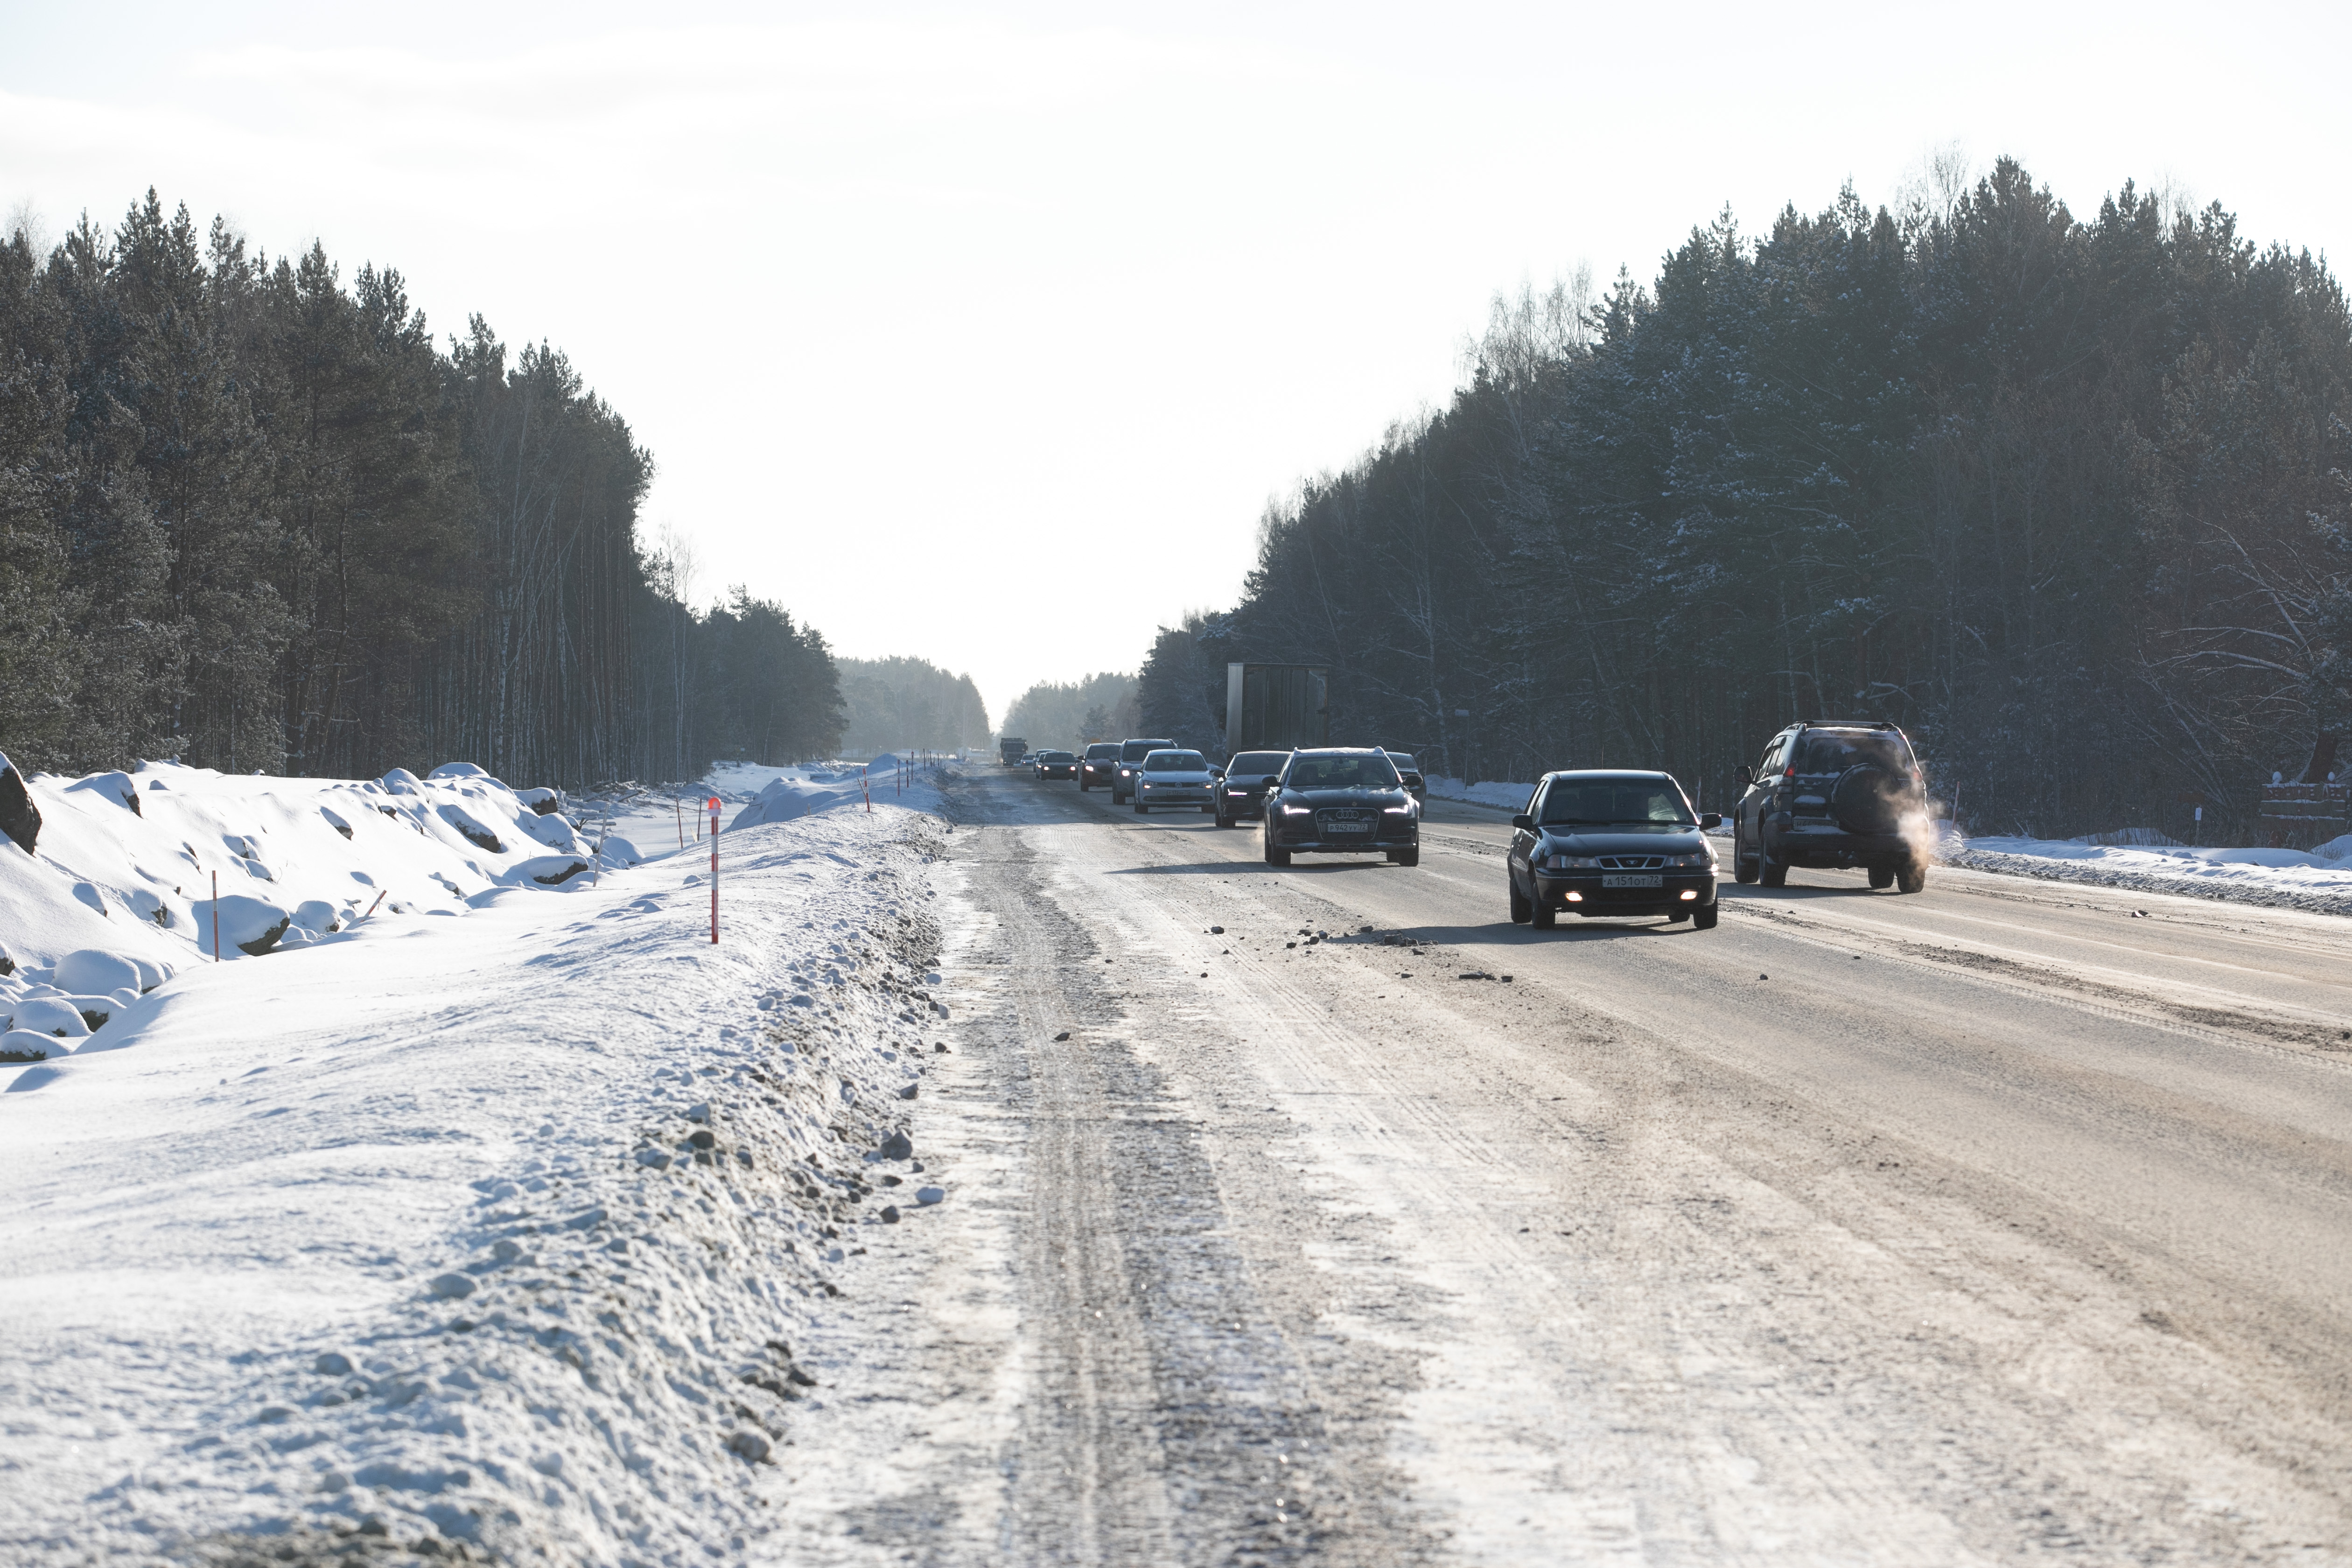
(2006, 1223)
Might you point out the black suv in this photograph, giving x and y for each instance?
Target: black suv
(1830, 793)
(1242, 792)
(1610, 843)
(1130, 763)
(1340, 801)
(1099, 766)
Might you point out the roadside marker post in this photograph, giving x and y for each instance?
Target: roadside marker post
(866, 782)
(217, 917)
(714, 871)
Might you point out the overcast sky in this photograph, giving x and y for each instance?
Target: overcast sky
(984, 333)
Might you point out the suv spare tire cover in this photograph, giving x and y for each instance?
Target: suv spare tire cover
(1868, 798)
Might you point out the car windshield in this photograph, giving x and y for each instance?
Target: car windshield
(1174, 763)
(1136, 751)
(1055, 757)
(1103, 751)
(1616, 803)
(1835, 750)
(1311, 772)
(1256, 764)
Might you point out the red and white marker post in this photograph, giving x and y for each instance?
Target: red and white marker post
(217, 917)
(714, 871)
(866, 782)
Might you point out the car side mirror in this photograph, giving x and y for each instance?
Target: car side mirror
(1272, 780)
(1710, 819)
(1523, 823)
(1747, 774)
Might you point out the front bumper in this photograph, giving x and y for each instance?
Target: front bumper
(1058, 772)
(1302, 836)
(1584, 893)
(1174, 794)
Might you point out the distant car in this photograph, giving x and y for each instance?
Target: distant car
(1056, 765)
(1341, 801)
(1409, 771)
(1614, 843)
(1175, 780)
(1130, 763)
(1099, 766)
(1833, 793)
(1241, 794)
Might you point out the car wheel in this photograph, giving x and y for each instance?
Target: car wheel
(1882, 875)
(1141, 809)
(1543, 917)
(1276, 857)
(1912, 877)
(1084, 786)
(1743, 869)
(1521, 905)
(1704, 917)
(1771, 873)
(1405, 856)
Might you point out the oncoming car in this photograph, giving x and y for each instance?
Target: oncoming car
(1099, 766)
(1056, 765)
(1173, 779)
(1131, 762)
(1341, 801)
(1242, 792)
(1613, 843)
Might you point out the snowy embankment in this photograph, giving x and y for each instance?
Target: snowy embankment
(1505, 796)
(2319, 882)
(488, 1234)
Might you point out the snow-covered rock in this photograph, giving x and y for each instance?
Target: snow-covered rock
(247, 924)
(20, 819)
(55, 1015)
(95, 970)
(317, 917)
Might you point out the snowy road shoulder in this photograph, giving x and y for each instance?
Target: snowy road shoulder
(495, 1229)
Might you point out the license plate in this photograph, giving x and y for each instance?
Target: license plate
(1632, 880)
(1349, 828)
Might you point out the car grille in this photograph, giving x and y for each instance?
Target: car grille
(1633, 862)
(1335, 814)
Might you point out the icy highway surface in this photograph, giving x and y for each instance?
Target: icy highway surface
(1998, 1224)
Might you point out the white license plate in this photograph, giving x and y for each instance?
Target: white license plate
(1349, 828)
(1632, 880)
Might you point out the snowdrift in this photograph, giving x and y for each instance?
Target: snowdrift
(125, 866)
(804, 791)
(520, 1235)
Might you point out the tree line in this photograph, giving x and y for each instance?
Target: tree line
(252, 517)
(1065, 715)
(2065, 497)
(904, 704)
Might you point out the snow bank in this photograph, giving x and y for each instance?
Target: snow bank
(1513, 797)
(126, 864)
(794, 793)
(2285, 879)
(500, 1230)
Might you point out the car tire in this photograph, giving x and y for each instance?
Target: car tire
(1704, 917)
(1882, 875)
(1084, 786)
(1771, 873)
(1743, 869)
(1276, 857)
(1141, 809)
(1405, 856)
(1521, 905)
(1543, 917)
(1912, 877)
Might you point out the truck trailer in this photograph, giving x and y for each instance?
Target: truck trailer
(1276, 707)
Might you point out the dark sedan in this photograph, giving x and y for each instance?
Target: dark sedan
(1340, 801)
(1057, 765)
(1618, 844)
(1241, 795)
(1099, 766)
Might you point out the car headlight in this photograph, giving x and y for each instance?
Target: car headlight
(1396, 811)
(1571, 862)
(1297, 811)
(1705, 858)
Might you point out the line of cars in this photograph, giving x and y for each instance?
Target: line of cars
(1593, 842)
